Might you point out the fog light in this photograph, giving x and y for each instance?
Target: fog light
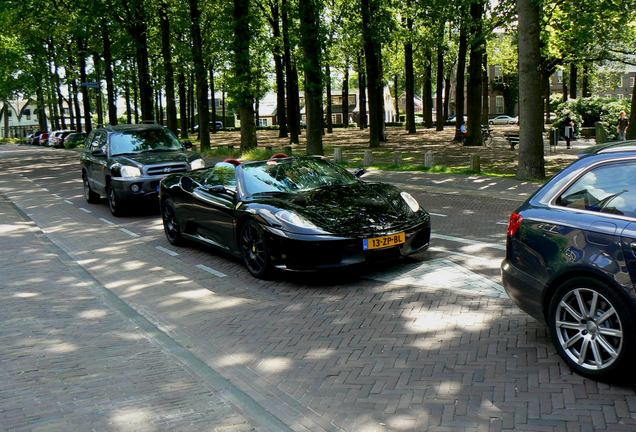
(134, 187)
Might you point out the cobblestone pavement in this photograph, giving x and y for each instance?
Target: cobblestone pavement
(426, 344)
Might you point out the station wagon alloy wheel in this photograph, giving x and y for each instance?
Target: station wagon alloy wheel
(91, 197)
(591, 327)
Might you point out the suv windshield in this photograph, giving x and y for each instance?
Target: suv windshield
(140, 141)
(293, 175)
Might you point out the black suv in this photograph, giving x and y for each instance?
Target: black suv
(127, 162)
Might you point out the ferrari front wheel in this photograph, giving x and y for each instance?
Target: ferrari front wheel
(254, 250)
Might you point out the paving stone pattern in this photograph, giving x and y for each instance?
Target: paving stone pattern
(69, 363)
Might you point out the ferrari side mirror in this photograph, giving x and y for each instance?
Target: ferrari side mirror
(360, 172)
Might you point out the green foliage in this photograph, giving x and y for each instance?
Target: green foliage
(587, 111)
(257, 154)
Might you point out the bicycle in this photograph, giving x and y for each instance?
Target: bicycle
(486, 134)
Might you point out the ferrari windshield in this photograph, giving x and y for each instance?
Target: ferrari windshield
(293, 175)
(143, 140)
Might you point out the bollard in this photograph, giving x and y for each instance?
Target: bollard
(475, 163)
(368, 157)
(337, 155)
(397, 158)
(429, 161)
(287, 150)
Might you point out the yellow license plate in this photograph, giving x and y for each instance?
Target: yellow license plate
(384, 241)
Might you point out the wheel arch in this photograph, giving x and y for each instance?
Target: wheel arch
(578, 273)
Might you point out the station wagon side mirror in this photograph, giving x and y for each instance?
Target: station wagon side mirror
(360, 172)
(98, 152)
(187, 145)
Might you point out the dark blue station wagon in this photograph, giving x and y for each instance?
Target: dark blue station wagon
(571, 261)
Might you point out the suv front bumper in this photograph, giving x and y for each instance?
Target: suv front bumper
(131, 188)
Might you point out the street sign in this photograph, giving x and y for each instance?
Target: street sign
(91, 84)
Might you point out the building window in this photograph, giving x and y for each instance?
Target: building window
(608, 95)
(27, 113)
(559, 77)
(262, 122)
(631, 81)
(336, 100)
(499, 104)
(352, 99)
(620, 83)
(498, 74)
(620, 95)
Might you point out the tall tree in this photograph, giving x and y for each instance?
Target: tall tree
(372, 55)
(477, 49)
(291, 77)
(200, 75)
(166, 52)
(531, 162)
(460, 80)
(309, 36)
(243, 91)
(409, 74)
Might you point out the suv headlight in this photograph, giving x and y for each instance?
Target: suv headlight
(197, 164)
(410, 201)
(129, 171)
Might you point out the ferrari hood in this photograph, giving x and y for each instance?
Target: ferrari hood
(360, 208)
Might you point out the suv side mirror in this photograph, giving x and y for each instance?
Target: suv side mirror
(187, 145)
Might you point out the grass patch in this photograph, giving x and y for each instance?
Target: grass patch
(11, 140)
(221, 152)
(257, 154)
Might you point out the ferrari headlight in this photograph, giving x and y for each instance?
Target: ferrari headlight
(410, 201)
(129, 171)
(294, 219)
(197, 164)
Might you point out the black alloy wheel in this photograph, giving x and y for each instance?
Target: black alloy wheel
(592, 328)
(254, 250)
(115, 203)
(91, 197)
(170, 223)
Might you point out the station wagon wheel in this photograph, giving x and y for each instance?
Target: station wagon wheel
(170, 223)
(254, 250)
(591, 328)
(91, 197)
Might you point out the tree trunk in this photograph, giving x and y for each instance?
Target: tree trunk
(213, 107)
(243, 74)
(573, 80)
(223, 102)
(345, 96)
(485, 98)
(565, 89)
(585, 85)
(447, 89)
(396, 102)
(57, 84)
(473, 137)
(279, 67)
(183, 107)
(631, 132)
(69, 102)
(41, 111)
(81, 50)
(98, 97)
(548, 91)
(427, 91)
(362, 85)
(531, 161)
(166, 52)
(439, 91)
(328, 118)
(460, 81)
(293, 107)
(135, 92)
(74, 91)
(128, 106)
(191, 115)
(108, 71)
(309, 39)
(409, 77)
(160, 104)
(199, 72)
(374, 80)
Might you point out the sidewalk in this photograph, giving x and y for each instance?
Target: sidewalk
(70, 361)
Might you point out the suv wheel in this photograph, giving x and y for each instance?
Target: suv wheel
(170, 223)
(91, 197)
(591, 328)
(115, 204)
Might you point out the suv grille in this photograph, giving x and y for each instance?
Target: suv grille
(165, 169)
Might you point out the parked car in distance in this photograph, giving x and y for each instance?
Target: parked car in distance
(503, 120)
(74, 139)
(610, 147)
(43, 138)
(58, 139)
(453, 119)
(125, 163)
(571, 262)
(292, 213)
(219, 125)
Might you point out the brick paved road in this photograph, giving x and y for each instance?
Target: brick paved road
(421, 345)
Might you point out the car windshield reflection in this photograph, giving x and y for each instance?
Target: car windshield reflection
(294, 175)
(140, 141)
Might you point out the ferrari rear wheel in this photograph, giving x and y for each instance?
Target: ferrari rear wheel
(254, 250)
(170, 223)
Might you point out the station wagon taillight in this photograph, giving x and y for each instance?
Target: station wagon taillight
(514, 223)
